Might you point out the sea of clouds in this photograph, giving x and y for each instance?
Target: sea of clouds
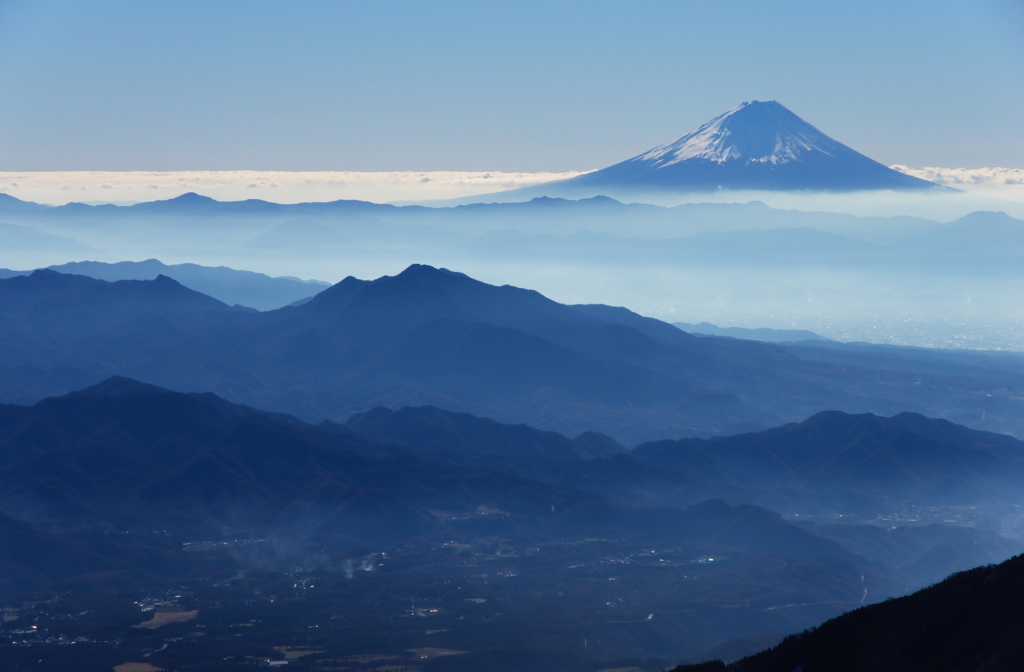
(60, 187)
(980, 189)
(1005, 183)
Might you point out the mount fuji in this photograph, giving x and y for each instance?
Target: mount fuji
(757, 145)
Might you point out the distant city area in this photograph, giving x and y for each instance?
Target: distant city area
(963, 335)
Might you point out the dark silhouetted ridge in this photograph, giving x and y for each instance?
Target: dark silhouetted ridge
(972, 621)
(436, 429)
(836, 459)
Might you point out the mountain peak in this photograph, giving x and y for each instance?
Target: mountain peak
(187, 202)
(427, 271)
(752, 132)
(116, 386)
(192, 197)
(757, 145)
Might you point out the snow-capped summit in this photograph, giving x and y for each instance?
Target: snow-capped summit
(752, 132)
(754, 146)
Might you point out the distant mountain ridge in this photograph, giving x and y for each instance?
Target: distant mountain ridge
(430, 336)
(435, 429)
(754, 334)
(842, 462)
(233, 287)
(132, 454)
(75, 456)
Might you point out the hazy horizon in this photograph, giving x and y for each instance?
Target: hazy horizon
(1006, 185)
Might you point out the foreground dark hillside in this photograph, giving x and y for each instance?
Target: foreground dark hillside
(972, 621)
(434, 337)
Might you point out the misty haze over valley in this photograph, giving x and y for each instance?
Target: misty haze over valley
(884, 279)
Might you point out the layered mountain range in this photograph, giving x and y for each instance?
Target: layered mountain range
(432, 336)
(130, 453)
(153, 490)
(466, 446)
(429, 472)
(908, 280)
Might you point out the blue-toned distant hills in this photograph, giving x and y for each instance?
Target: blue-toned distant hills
(233, 287)
(752, 334)
(134, 455)
(430, 336)
(675, 545)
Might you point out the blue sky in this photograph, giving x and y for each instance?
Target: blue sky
(524, 86)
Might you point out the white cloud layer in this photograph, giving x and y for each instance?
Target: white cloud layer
(60, 187)
(1005, 183)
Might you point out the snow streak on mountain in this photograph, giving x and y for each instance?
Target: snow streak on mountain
(754, 132)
